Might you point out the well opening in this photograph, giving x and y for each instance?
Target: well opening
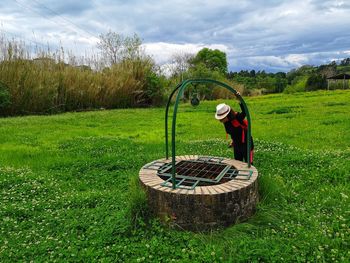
(206, 173)
(202, 171)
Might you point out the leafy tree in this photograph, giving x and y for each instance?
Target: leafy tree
(305, 70)
(280, 82)
(345, 62)
(154, 88)
(315, 82)
(262, 73)
(291, 75)
(333, 63)
(281, 75)
(214, 60)
(251, 80)
(201, 71)
(297, 85)
(266, 83)
(327, 70)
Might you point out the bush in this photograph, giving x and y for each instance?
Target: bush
(154, 89)
(297, 85)
(316, 82)
(4, 98)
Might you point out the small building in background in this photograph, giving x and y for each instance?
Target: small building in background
(340, 81)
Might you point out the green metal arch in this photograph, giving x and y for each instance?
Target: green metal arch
(181, 87)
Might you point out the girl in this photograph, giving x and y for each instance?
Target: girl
(236, 125)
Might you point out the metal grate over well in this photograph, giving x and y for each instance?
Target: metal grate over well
(202, 171)
(199, 169)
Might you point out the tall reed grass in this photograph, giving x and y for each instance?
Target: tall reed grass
(44, 82)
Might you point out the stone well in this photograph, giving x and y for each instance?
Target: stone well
(205, 206)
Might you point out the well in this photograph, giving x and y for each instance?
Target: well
(200, 192)
(232, 199)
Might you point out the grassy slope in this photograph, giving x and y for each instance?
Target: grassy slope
(65, 183)
(344, 68)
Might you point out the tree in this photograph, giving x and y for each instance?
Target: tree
(327, 70)
(291, 75)
(280, 81)
(204, 91)
(345, 62)
(111, 45)
(315, 82)
(181, 63)
(115, 47)
(214, 60)
(132, 47)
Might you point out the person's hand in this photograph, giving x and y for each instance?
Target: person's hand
(238, 95)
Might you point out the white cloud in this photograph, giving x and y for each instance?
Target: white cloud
(297, 59)
(271, 34)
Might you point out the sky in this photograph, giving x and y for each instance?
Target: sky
(271, 35)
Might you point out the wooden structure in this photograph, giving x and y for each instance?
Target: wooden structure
(340, 77)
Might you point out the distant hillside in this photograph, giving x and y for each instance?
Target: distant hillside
(343, 69)
(305, 78)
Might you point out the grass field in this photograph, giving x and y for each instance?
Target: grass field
(68, 192)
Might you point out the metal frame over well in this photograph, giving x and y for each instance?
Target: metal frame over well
(181, 87)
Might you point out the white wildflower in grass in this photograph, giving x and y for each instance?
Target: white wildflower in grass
(344, 196)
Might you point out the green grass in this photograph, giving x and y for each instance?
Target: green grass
(68, 193)
(344, 69)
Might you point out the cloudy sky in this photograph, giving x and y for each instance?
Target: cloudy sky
(270, 35)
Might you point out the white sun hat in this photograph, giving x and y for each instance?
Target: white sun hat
(222, 110)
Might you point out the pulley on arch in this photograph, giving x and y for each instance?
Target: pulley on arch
(194, 97)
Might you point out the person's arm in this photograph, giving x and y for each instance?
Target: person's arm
(229, 131)
(241, 115)
(228, 128)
